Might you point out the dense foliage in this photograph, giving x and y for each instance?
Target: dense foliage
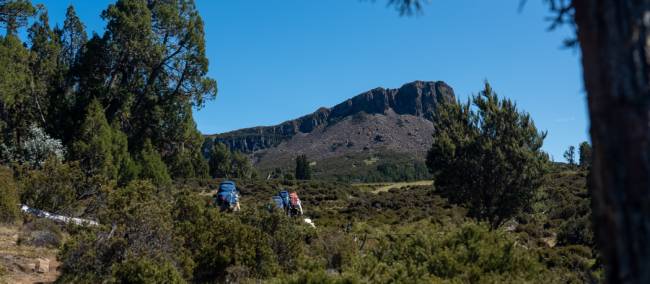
(487, 156)
(303, 169)
(102, 128)
(103, 98)
(584, 151)
(224, 163)
(408, 235)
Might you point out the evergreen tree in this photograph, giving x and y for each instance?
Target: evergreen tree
(152, 166)
(66, 105)
(241, 166)
(186, 161)
(303, 170)
(94, 147)
(73, 38)
(15, 76)
(103, 149)
(162, 43)
(570, 155)
(14, 14)
(488, 159)
(128, 168)
(585, 154)
(46, 73)
(220, 161)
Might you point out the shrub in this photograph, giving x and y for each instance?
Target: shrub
(41, 233)
(39, 147)
(142, 271)
(141, 229)
(54, 188)
(470, 253)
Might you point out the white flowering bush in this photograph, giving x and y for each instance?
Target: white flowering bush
(40, 146)
(35, 149)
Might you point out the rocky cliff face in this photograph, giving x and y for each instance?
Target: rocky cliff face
(417, 99)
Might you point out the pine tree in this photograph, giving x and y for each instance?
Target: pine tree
(15, 76)
(73, 38)
(489, 160)
(585, 155)
(152, 166)
(94, 146)
(14, 14)
(241, 166)
(570, 155)
(303, 169)
(220, 161)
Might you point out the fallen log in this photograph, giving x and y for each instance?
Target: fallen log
(57, 218)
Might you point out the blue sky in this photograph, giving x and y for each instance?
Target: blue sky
(277, 60)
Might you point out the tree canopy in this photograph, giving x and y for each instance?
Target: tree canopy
(487, 156)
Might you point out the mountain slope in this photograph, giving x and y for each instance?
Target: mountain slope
(372, 128)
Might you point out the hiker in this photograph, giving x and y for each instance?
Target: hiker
(295, 206)
(227, 197)
(289, 202)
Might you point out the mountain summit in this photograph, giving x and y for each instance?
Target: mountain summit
(371, 124)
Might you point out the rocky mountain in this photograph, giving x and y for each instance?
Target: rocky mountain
(371, 124)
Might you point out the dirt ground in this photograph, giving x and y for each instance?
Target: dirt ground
(25, 264)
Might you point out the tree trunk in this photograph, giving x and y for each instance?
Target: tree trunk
(614, 37)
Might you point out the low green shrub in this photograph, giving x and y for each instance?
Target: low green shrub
(145, 271)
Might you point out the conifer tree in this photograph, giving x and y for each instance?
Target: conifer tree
(102, 149)
(220, 161)
(488, 159)
(585, 154)
(303, 169)
(73, 38)
(152, 166)
(15, 76)
(94, 146)
(241, 166)
(14, 14)
(570, 155)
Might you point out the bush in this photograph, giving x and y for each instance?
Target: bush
(54, 188)
(141, 271)
(39, 147)
(9, 204)
(41, 233)
(470, 253)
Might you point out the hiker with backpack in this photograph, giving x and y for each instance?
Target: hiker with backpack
(289, 202)
(295, 206)
(227, 197)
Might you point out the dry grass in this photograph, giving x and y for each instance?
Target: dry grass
(386, 186)
(14, 258)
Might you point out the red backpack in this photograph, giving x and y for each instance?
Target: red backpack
(294, 199)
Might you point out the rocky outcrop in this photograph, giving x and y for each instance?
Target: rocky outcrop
(417, 98)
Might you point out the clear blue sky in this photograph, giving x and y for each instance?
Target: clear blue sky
(277, 60)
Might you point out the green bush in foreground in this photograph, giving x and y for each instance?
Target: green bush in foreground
(144, 271)
(409, 235)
